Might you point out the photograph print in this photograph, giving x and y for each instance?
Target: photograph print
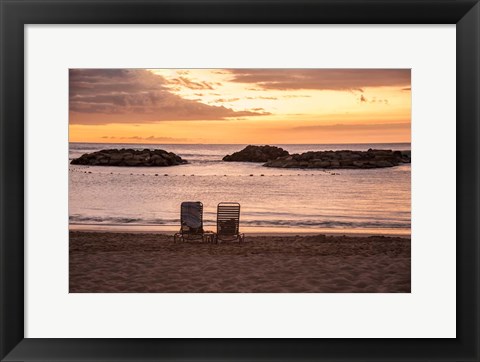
(239, 180)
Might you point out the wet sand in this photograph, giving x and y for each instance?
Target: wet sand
(108, 262)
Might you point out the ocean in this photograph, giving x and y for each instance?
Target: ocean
(283, 200)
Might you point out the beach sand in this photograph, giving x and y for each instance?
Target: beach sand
(107, 262)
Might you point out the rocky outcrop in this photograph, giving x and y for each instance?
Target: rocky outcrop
(129, 158)
(256, 154)
(343, 159)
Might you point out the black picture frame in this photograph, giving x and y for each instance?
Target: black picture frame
(15, 14)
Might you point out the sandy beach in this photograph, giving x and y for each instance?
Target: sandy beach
(109, 262)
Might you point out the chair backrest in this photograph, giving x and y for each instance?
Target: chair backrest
(191, 217)
(228, 218)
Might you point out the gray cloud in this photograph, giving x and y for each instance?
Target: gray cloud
(355, 127)
(188, 83)
(321, 79)
(223, 100)
(262, 97)
(134, 96)
(296, 96)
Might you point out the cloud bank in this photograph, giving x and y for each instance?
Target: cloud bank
(355, 127)
(322, 79)
(101, 96)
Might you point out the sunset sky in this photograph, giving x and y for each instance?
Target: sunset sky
(260, 106)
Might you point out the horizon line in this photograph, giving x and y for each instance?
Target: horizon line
(220, 144)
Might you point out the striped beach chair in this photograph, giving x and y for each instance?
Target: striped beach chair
(228, 222)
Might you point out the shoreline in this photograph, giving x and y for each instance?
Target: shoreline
(247, 230)
(108, 262)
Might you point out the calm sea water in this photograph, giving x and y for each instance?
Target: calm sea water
(274, 198)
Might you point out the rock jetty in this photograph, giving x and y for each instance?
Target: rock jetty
(129, 158)
(342, 159)
(256, 154)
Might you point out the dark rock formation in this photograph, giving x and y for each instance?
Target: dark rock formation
(129, 158)
(256, 154)
(343, 159)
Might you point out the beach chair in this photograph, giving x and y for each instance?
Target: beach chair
(191, 221)
(228, 222)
